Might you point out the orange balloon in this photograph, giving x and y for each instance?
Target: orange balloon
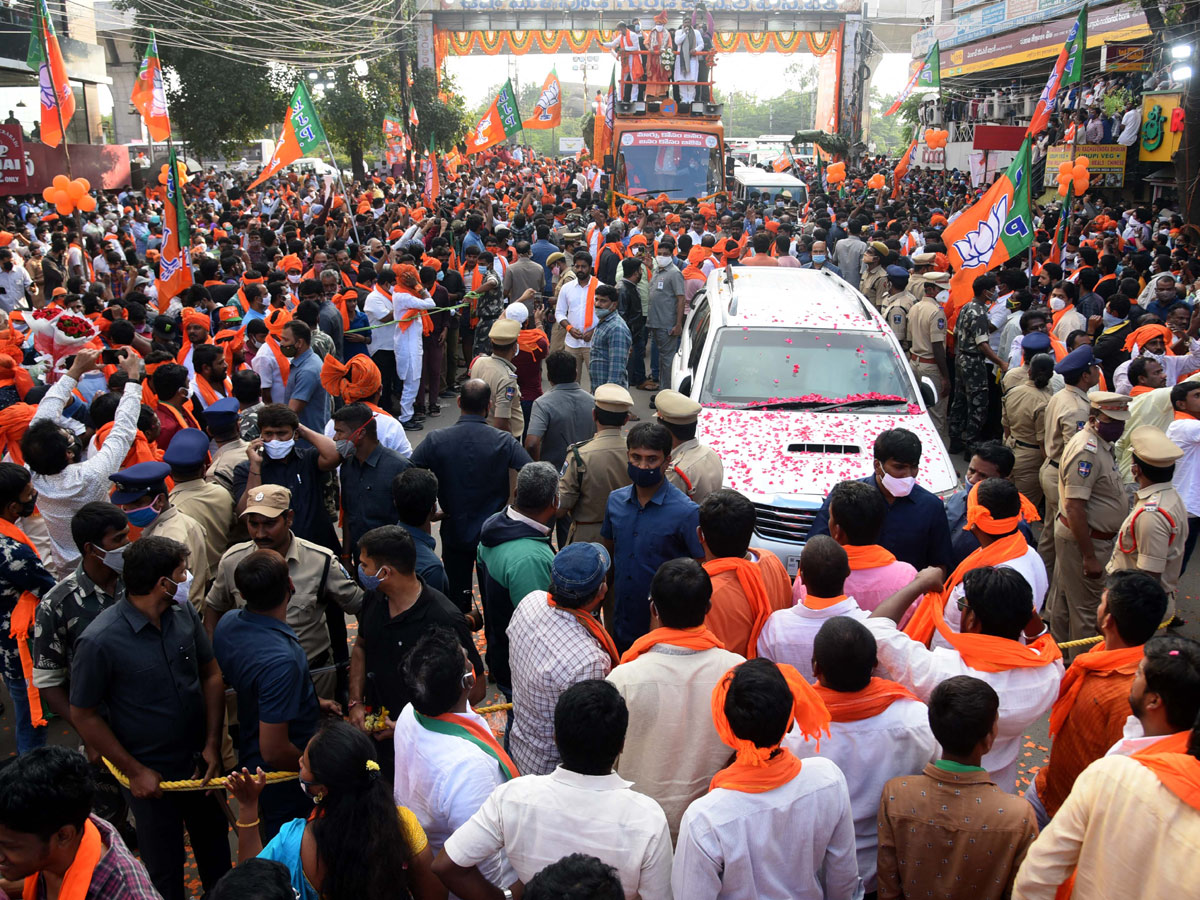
(87, 203)
(48, 193)
(87, 185)
(1081, 161)
(61, 196)
(75, 190)
(1082, 184)
(61, 181)
(64, 209)
(1062, 188)
(1064, 167)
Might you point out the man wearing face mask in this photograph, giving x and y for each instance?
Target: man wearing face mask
(927, 332)
(1152, 342)
(611, 340)
(666, 308)
(915, 528)
(147, 693)
(207, 502)
(1093, 504)
(820, 259)
(142, 493)
(15, 282)
(367, 471)
(101, 533)
(23, 581)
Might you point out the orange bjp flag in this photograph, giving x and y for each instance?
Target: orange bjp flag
(45, 57)
(548, 111)
(501, 120)
(149, 96)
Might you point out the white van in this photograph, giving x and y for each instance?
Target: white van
(747, 180)
(798, 374)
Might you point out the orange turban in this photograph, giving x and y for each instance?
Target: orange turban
(193, 316)
(938, 220)
(979, 516)
(637, 240)
(14, 422)
(408, 276)
(771, 226)
(13, 373)
(289, 262)
(1141, 336)
(358, 379)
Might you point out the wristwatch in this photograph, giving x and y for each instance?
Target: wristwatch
(508, 895)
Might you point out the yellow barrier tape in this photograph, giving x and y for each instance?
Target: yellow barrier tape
(195, 784)
(499, 707)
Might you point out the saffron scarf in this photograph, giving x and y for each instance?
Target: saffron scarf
(1183, 417)
(21, 627)
(868, 556)
(140, 451)
(750, 578)
(529, 340)
(1056, 317)
(1098, 659)
(208, 394)
(811, 601)
(466, 729)
(588, 621)
(691, 638)
(589, 306)
(854, 706)
(756, 770)
(78, 877)
(1140, 389)
(1178, 770)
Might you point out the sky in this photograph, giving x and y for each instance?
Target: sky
(759, 73)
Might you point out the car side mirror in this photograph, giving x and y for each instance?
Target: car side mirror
(929, 391)
(685, 386)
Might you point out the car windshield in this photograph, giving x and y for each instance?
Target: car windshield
(676, 163)
(804, 368)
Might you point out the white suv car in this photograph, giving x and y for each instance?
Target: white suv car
(798, 374)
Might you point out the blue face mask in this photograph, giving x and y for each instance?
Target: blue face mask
(603, 313)
(818, 257)
(1110, 320)
(644, 477)
(369, 582)
(142, 517)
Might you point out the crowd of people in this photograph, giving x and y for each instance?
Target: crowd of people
(194, 499)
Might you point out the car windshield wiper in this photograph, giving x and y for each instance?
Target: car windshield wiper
(819, 405)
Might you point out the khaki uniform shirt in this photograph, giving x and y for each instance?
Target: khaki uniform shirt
(1088, 472)
(926, 327)
(225, 460)
(916, 286)
(317, 577)
(695, 469)
(501, 376)
(1066, 415)
(874, 286)
(212, 507)
(1152, 536)
(1024, 413)
(593, 469)
(896, 313)
(178, 526)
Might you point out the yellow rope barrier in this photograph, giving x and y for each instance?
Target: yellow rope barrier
(195, 784)
(1095, 639)
(499, 707)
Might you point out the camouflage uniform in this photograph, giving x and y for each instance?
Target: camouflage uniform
(489, 309)
(968, 410)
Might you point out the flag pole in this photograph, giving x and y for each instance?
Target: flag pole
(43, 13)
(345, 193)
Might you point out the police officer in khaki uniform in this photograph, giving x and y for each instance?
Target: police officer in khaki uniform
(694, 468)
(922, 266)
(221, 419)
(1153, 535)
(927, 339)
(596, 467)
(317, 579)
(498, 371)
(1023, 415)
(209, 504)
(1066, 414)
(1093, 506)
(142, 493)
(874, 278)
(897, 303)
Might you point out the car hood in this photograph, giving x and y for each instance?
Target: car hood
(754, 448)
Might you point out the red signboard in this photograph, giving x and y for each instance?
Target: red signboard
(668, 139)
(105, 166)
(998, 137)
(13, 178)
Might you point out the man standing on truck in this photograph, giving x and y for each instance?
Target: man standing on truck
(627, 45)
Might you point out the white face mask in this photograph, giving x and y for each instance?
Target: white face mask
(182, 589)
(294, 279)
(1057, 303)
(898, 487)
(663, 261)
(279, 449)
(942, 296)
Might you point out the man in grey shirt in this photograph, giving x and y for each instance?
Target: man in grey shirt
(524, 275)
(848, 254)
(563, 415)
(666, 306)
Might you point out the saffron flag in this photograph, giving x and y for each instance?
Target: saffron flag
(502, 120)
(412, 116)
(392, 126)
(782, 163)
(174, 265)
(1068, 69)
(902, 167)
(602, 127)
(149, 96)
(45, 57)
(1060, 232)
(302, 135)
(996, 228)
(548, 111)
(432, 189)
(929, 76)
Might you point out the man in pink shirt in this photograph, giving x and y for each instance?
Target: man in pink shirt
(856, 514)
(783, 252)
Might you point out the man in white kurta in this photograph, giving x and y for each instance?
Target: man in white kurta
(408, 344)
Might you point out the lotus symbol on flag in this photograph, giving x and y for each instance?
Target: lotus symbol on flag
(548, 98)
(482, 129)
(975, 247)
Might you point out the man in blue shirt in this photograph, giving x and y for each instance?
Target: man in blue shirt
(304, 394)
(472, 237)
(915, 527)
(991, 459)
(263, 661)
(645, 524)
(540, 252)
(471, 460)
(414, 494)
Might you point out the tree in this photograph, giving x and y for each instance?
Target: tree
(353, 107)
(441, 111)
(890, 134)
